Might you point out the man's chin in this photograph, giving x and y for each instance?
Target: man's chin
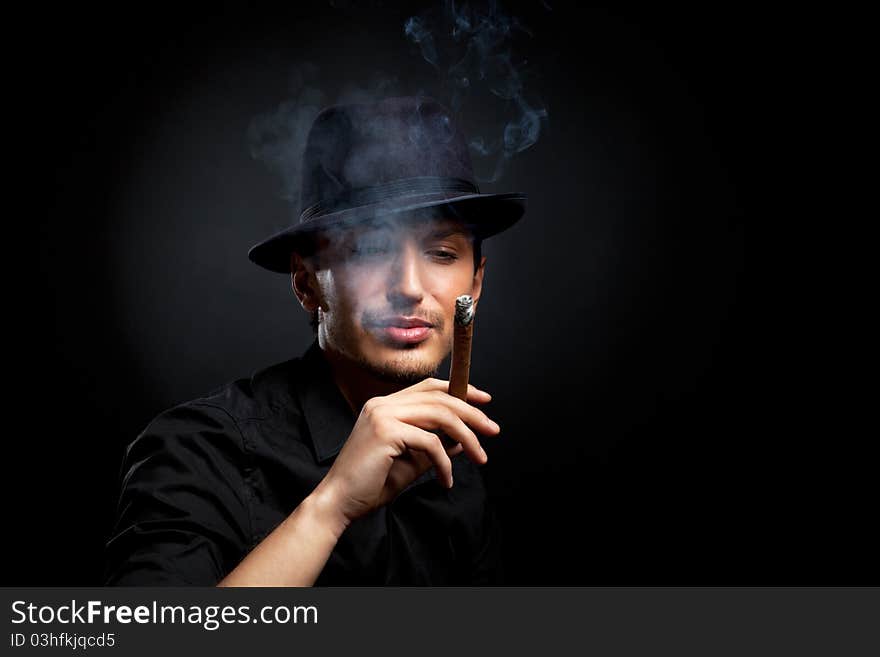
(402, 369)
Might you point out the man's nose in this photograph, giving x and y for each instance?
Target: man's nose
(405, 286)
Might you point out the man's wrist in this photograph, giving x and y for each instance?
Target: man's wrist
(322, 507)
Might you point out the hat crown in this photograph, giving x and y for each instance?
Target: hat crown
(393, 157)
(364, 145)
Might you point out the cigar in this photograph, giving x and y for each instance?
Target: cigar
(463, 334)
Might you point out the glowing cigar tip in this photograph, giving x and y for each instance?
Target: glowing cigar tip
(464, 310)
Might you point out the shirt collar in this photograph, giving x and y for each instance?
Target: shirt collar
(327, 413)
(329, 417)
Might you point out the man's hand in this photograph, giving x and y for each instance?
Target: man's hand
(391, 445)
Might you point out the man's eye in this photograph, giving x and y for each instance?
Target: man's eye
(444, 255)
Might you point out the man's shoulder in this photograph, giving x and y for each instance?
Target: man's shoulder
(269, 391)
(265, 389)
(268, 394)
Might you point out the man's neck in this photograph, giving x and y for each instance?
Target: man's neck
(355, 383)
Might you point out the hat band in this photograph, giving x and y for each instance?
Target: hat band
(353, 198)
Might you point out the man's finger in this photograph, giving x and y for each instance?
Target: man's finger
(472, 416)
(437, 416)
(455, 450)
(428, 385)
(424, 441)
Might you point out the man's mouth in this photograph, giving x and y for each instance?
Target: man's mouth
(404, 330)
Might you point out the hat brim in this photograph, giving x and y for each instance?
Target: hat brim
(484, 214)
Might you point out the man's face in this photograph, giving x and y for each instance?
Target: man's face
(388, 293)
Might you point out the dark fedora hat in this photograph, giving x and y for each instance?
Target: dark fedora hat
(369, 160)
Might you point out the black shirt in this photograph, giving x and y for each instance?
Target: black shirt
(207, 480)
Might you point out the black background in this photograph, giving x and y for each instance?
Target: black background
(651, 434)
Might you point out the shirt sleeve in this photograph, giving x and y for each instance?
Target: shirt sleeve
(183, 516)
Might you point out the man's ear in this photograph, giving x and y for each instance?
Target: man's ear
(478, 281)
(304, 283)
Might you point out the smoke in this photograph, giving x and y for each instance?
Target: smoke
(472, 47)
(418, 33)
(475, 72)
(278, 137)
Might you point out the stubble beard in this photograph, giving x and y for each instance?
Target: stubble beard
(403, 370)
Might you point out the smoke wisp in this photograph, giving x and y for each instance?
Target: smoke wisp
(472, 48)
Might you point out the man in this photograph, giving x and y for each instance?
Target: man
(332, 468)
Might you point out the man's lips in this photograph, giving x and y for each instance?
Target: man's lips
(403, 322)
(404, 330)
